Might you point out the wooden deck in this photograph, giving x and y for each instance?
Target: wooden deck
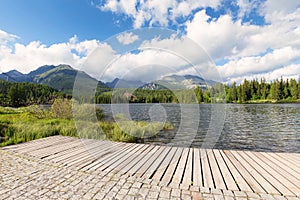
(259, 172)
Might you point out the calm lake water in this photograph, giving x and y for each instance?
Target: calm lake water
(259, 127)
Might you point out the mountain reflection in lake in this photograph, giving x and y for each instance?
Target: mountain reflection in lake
(259, 127)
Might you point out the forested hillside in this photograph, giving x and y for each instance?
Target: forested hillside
(24, 94)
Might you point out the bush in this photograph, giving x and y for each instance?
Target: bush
(37, 111)
(62, 108)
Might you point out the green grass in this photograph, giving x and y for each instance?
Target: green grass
(26, 124)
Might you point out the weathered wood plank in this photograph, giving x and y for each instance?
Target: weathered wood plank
(157, 163)
(37, 146)
(230, 183)
(269, 188)
(239, 179)
(264, 170)
(105, 156)
(150, 162)
(288, 158)
(110, 159)
(131, 160)
(137, 159)
(207, 176)
(181, 166)
(188, 172)
(164, 165)
(142, 161)
(280, 182)
(123, 158)
(197, 173)
(284, 169)
(216, 173)
(172, 166)
(244, 172)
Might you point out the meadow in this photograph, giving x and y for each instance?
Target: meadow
(23, 124)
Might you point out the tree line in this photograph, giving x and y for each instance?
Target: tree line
(254, 90)
(248, 91)
(24, 94)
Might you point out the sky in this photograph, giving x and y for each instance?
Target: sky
(147, 39)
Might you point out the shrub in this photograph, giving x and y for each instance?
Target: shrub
(62, 108)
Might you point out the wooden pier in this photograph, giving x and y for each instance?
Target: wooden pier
(246, 171)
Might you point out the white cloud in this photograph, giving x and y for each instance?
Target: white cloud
(127, 38)
(26, 58)
(276, 10)
(287, 72)
(6, 37)
(260, 64)
(156, 11)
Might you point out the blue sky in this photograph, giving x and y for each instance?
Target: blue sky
(244, 38)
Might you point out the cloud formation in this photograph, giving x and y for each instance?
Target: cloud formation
(155, 12)
(127, 38)
(26, 58)
(242, 49)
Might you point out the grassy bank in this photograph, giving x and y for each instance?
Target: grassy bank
(30, 123)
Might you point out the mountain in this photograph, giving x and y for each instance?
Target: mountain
(41, 70)
(122, 83)
(179, 82)
(61, 77)
(14, 76)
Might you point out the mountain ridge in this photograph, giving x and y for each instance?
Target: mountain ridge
(60, 77)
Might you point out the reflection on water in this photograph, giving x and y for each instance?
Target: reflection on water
(259, 127)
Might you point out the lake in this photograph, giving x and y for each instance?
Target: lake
(258, 127)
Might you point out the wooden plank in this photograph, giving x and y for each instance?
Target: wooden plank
(104, 157)
(252, 182)
(18, 147)
(281, 183)
(240, 181)
(269, 188)
(150, 162)
(82, 152)
(69, 152)
(124, 157)
(42, 153)
(273, 181)
(38, 146)
(106, 161)
(164, 165)
(87, 153)
(285, 170)
(137, 159)
(131, 160)
(172, 166)
(238, 178)
(289, 158)
(181, 166)
(197, 173)
(157, 163)
(207, 176)
(286, 162)
(216, 173)
(229, 180)
(142, 161)
(95, 154)
(188, 172)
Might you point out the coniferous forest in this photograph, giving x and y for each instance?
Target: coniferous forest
(254, 91)
(25, 94)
